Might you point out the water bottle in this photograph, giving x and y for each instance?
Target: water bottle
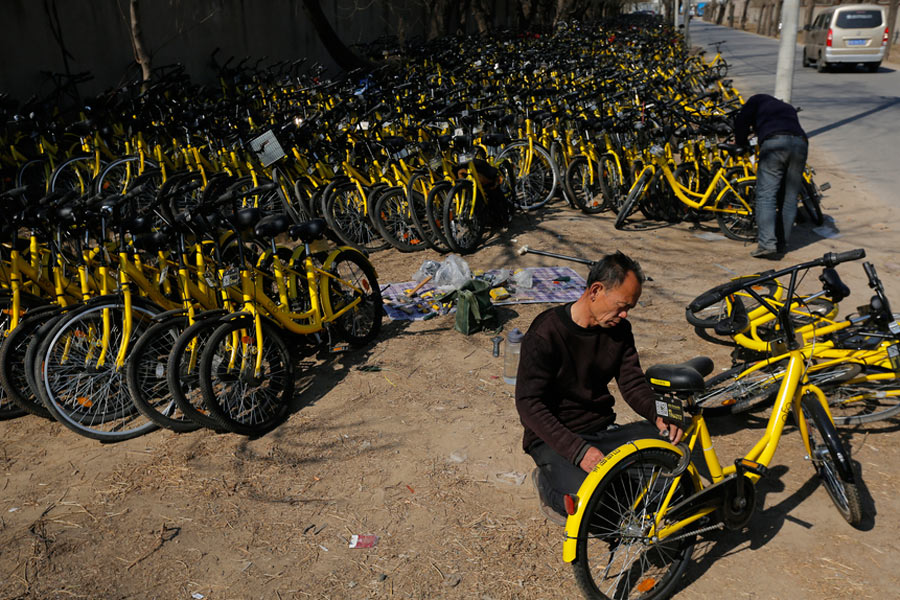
(511, 355)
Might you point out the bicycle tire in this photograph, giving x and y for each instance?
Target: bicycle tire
(537, 186)
(183, 371)
(147, 378)
(726, 394)
(114, 176)
(240, 401)
(434, 213)
(464, 224)
(707, 318)
(810, 199)
(392, 215)
(417, 194)
(61, 180)
(354, 277)
(12, 362)
(619, 537)
(633, 198)
(342, 212)
(741, 224)
(92, 401)
(862, 400)
(585, 186)
(831, 460)
(613, 183)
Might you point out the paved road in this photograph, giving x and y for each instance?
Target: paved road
(852, 116)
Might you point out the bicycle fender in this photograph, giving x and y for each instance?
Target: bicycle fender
(236, 316)
(613, 458)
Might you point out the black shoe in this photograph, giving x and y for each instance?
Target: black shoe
(546, 510)
(769, 253)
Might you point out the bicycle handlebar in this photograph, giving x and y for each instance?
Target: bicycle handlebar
(830, 259)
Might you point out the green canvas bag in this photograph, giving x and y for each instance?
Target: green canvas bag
(474, 310)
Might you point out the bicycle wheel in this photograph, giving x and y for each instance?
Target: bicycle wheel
(810, 199)
(147, 378)
(865, 399)
(585, 186)
(344, 213)
(660, 203)
(696, 179)
(613, 184)
(392, 215)
(707, 318)
(115, 176)
(633, 199)
(831, 461)
(86, 396)
(183, 371)
(616, 558)
(727, 393)
(464, 221)
(16, 390)
(416, 195)
(353, 279)
(735, 212)
(434, 213)
(75, 174)
(536, 174)
(240, 399)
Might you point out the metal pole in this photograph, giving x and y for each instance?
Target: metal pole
(784, 72)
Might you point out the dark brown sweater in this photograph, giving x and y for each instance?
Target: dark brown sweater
(562, 382)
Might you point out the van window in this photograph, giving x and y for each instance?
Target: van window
(858, 19)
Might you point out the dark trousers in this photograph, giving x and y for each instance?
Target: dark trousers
(558, 477)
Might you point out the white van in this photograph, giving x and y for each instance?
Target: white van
(849, 34)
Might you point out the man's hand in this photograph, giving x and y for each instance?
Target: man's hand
(670, 430)
(591, 458)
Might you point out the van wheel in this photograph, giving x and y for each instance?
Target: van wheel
(806, 61)
(821, 65)
(873, 67)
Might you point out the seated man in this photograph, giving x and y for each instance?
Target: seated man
(569, 356)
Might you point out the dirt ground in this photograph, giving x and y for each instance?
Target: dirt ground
(426, 455)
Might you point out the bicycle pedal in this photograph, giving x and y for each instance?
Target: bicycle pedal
(339, 347)
(745, 465)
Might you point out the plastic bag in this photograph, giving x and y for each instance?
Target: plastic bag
(500, 277)
(428, 269)
(523, 279)
(452, 274)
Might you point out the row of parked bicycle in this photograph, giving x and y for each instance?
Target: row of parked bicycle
(433, 150)
(145, 278)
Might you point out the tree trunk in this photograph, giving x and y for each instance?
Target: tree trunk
(744, 15)
(891, 23)
(776, 20)
(341, 54)
(137, 44)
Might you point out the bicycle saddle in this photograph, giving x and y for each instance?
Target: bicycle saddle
(685, 377)
(732, 148)
(272, 225)
(308, 231)
(246, 218)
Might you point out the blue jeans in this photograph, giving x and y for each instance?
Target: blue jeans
(779, 179)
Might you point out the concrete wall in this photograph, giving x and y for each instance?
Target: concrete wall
(96, 35)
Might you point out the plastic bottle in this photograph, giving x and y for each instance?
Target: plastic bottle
(511, 355)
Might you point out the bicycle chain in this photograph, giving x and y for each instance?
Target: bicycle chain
(698, 532)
